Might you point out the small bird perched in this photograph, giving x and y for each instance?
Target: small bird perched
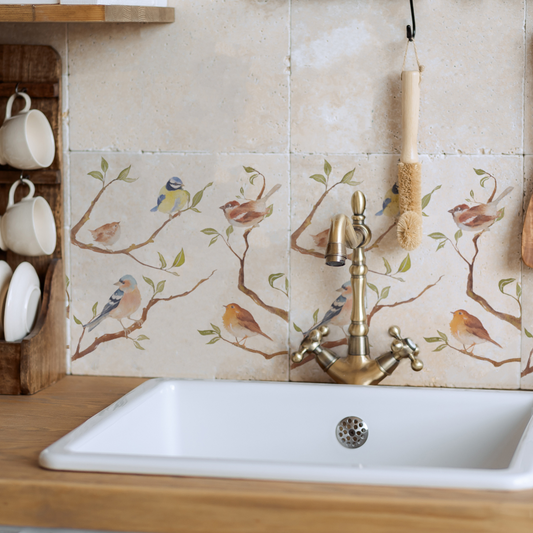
(240, 323)
(321, 239)
(122, 304)
(108, 234)
(249, 213)
(479, 217)
(391, 203)
(468, 329)
(172, 197)
(339, 314)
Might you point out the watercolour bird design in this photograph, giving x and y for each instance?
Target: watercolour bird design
(108, 234)
(391, 203)
(240, 323)
(172, 197)
(339, 314)
(249, 213)
(122, 303)
(469, 330)
(479, 217)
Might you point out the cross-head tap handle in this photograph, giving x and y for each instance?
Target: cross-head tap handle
(402, 348)
(310, 343)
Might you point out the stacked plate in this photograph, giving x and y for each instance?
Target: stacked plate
(20, 296)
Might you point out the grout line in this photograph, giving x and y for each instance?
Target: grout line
(289, 170)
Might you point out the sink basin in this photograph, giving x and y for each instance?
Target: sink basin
(288, 431)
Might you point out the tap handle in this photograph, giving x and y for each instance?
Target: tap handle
(358, 203)
(402, 348)
(310, 343)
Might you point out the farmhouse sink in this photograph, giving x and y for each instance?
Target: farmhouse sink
(309, 432)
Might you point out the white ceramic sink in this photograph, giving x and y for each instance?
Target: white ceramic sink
(287, 431)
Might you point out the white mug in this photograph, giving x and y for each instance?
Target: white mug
(26, 139)
(28, 227)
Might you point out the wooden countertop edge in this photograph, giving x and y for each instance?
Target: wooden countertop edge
(32, 496)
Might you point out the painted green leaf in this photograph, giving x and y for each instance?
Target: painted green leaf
(173, 273)
(104, 165)
(95, 309)
(206, 332)
(527, 333)
(354, 183)
(482, 181)
(197, 198)
(249, 169)
(195, 210)
(270, 210)
(213, 240)
(439, 348)
(327, 168)
(209, 231)
(442, 336)
(160, 287)
(213, 340)
(472, 194)
(348, 177)
(442, 244)
(150, 282)
(504, 282)
(299, 330)
(387, 266)
(143, 338)
(229, 231)
(319, 178)
(518, 290)
(432, 339)
(405, 265)
(252, 178)
(479, 171)
(137, 345)
(501, 214)
(179, 259)
(273, 277)
(162, 260)
(315, 316)
(216, 328)
(97, 175)
(124, 174)
(241, 190)
(457, 236)
(286, 285)
(424, 214)
(437, 235)
(372, 288)
(384, 293)
(67, 281)
(426, 199)
(77, 320)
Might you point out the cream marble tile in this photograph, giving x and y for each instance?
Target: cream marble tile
(214, 80)
(346, 61)
(528, 81)
(435, 283)
(169, 336)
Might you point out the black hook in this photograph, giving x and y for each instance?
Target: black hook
(411, 34)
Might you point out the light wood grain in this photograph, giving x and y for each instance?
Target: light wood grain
(410, 112)
(85, 13)
(122, 502)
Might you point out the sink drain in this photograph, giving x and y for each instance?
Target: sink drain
(351, 432)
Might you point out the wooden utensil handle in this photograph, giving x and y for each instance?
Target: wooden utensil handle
(410, 110)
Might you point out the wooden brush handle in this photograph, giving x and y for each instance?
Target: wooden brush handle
(410, 109)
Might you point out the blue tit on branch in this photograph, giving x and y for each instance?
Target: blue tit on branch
(172, 197)
(391, 203)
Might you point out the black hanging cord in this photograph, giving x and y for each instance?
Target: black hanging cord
(411, 33)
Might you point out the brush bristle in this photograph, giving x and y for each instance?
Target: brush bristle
(410, 230)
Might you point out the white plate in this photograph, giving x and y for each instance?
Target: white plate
(22, 303)
(5, 277)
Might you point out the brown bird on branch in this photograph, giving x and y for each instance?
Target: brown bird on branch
(240, 323)
(108, 234)
(479, 217)
(468, 329)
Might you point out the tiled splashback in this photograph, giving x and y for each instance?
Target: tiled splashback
(300, 99)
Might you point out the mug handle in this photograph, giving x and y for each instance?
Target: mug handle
(13, 188)
(12, 99)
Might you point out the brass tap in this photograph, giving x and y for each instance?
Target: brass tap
(357, 368)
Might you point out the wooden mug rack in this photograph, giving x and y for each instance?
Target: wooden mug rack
(40, 359)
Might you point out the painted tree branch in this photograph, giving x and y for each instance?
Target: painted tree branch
(252, 350)
(528, 368)
(481, 358)
(138, 324)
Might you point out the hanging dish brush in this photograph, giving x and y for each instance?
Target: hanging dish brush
(410, 169)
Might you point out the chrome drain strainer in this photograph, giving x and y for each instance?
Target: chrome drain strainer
(351, 432)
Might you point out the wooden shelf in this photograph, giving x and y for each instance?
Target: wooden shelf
(84, 13)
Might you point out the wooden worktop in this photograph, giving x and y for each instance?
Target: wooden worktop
(31, 496)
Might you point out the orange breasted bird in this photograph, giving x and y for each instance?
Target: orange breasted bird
(108, 234)
(468, 329)
(240, 322)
